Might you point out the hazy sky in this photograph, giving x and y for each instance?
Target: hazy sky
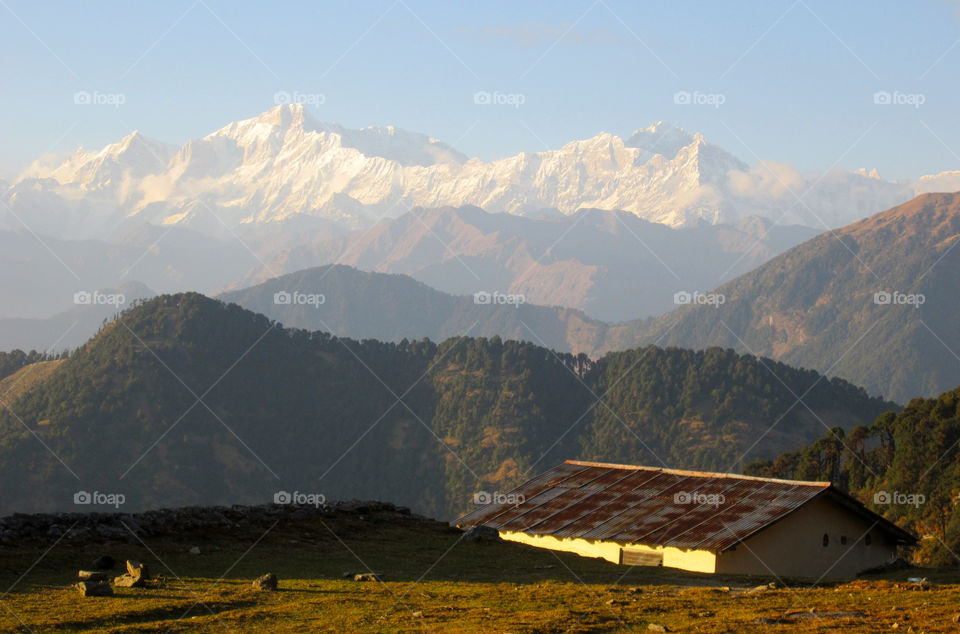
(796, 79)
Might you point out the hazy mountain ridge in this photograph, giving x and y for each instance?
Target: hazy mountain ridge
(611, 265)
(71, 328)
(594, 258)
(48, 271)
(816, 305)
(391, 307)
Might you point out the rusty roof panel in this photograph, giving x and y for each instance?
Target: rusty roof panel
(632, 504)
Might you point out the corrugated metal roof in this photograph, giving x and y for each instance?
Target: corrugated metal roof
(646, 505)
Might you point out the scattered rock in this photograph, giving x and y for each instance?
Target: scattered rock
(705, 614)
(897, 563)
(92, 575)
(795, 617)
(110, 532)
(956, 618)
(267, 582)
(656, 627)
(137, 569)
(760, 589)
(814, 614)
(135, 577)
(482, 534)
(94, 589)
(194, 550)
(920, 583)
(78, 532)
(418, 614)
(368, 576)
(104, 562)
(129, 581)
(356, 506)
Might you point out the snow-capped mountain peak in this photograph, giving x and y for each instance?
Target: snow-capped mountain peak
(660, 138)
(285, 163)
(132, 156)
(291, 123)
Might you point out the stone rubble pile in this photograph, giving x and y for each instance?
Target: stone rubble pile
(22, 528)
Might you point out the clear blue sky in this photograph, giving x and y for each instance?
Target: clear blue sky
(797, 78)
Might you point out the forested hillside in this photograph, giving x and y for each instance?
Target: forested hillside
(904, 464)
(186, 400)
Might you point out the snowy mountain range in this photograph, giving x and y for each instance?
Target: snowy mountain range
(284, 167)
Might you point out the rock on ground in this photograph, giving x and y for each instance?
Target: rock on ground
(267, 582)
(94, 589)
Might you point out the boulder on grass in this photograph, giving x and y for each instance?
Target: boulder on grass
(94, 589)
(267, 582)
(368, 576)
(137, 569)
(135, 577)
(129, 581)
(92, 575)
